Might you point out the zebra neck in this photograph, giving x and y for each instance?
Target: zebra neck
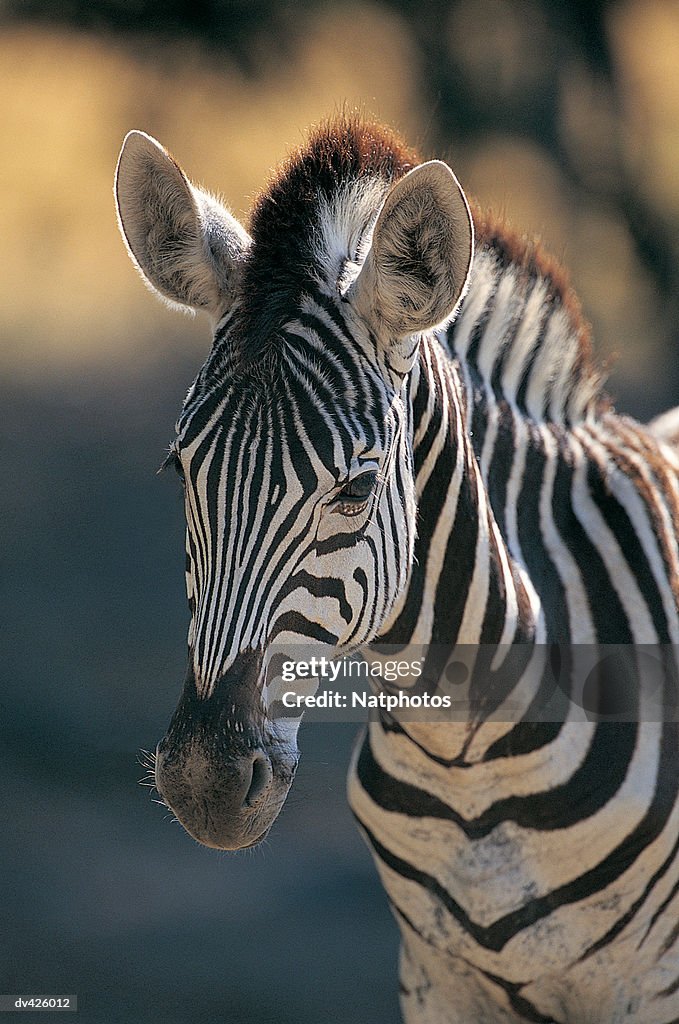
(465, 600)
(464, 588)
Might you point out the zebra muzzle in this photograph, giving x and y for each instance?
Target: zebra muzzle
(221, 769)
(227, 806)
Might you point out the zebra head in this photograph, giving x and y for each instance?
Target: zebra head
(294, 443)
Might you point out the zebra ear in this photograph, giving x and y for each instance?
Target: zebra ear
(417, 268)
(184, 243)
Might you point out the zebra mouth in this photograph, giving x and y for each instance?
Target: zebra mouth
(257, 841)
(232, 844)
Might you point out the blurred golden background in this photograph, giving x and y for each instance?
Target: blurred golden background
(574, 136)
(564, 117)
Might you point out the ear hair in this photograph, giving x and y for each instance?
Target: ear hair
(183, 241)
(417, 268)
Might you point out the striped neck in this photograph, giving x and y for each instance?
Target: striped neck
(476, 395)
(516, 359)
(464, 587)
(466, 600)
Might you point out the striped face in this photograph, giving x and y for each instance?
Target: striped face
(294, 443)
(299, 501)
(300, 516)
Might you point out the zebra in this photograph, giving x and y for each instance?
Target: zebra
(400, 437)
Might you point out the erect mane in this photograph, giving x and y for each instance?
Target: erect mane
(337, 152)
(559, 379)
(342, 157)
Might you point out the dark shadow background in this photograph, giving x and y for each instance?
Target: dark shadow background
(101, 895)
(564, 116)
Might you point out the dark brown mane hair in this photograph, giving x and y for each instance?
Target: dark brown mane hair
(338, 151)
(285, 215)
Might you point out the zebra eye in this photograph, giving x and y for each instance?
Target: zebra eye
(354, 495)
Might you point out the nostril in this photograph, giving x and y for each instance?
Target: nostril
(262, 774)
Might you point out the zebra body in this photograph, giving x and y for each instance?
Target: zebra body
(485, 875)
(357, 473)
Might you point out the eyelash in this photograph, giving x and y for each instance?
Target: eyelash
(350, 503)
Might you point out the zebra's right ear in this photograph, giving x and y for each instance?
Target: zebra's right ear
(417, 267)
(184, 243)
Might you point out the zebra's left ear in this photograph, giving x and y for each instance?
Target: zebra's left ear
(417, 268)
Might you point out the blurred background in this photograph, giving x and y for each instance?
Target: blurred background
(564, 117)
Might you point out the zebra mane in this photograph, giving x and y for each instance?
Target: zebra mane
(521, 332)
